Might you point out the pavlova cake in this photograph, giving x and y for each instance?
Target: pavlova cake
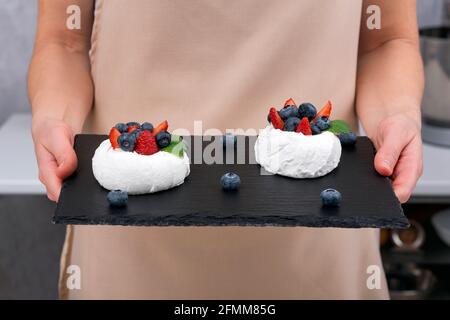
(301, 142)
(139, 158)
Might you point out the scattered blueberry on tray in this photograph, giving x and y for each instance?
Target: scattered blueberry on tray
(117, 198)
(347, 139)
(230, 181)
(331, 197)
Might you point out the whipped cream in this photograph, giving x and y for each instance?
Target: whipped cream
(134, 173)
(295, 155)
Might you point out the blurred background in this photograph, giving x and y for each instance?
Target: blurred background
(417, 260)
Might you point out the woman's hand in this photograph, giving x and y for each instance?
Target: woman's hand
(53, 142)
(399, 156)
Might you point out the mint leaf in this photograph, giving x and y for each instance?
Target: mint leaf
(175, 138)
(339, 126)
(176, 147)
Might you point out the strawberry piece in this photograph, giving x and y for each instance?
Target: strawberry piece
(289, 102)
(163, 126)
(114, 135)
(132, 128)
(325, 111)
(146, 144)
(275, 119)
(304, 127)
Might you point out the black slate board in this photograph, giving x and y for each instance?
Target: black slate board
(263, 200)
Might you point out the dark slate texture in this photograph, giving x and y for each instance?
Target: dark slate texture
(263, 200)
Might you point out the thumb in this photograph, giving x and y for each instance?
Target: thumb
(390, 145)
(60, 146)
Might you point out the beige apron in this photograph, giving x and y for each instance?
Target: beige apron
(223, 62)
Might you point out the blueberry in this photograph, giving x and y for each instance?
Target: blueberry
(163, 139)
(122, 127)
(135, 133)
(117, 198)
(287, 112)
(127, 141)
(229, 139)
(315, 129)
(331, 197)
(323, 123)
(307, 110)
(291, 124)
(347, 139)
(147, 126)
(131, 124)
(230, 181)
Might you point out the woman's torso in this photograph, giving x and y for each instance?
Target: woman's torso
(224, 63)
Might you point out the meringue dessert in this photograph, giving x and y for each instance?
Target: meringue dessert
(297, 155)
(300, 142)
(140, 159)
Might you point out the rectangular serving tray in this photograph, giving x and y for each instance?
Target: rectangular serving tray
(262, 200)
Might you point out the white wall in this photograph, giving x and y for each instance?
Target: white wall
(17, 27)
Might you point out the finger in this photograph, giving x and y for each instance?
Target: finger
(392, 141)
(69, 165)
(52, 184)
(47, 172)
(408, 170)
(61, 147)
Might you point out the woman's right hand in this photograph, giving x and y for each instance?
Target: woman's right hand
(53, 143)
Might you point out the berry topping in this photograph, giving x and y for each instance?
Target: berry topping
(323, 123)
(146, 144)
(117, 198)
(122, 127)
(347, 139)
(133, 124)
(291, 124)
(163, 139)
(289, 102)
(331, 198)
(114, 134)
(325, 111)
(287, 112)
(307, 110)
(163, 126)
(127, 141)
(136, 133)
(132, 128)
(315, 129)
(147, 126)
(275, 119)
(230, 181)
(304, 127)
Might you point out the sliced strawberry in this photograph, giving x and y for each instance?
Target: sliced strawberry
(146, 144)
(325, 111)
(132, 128)
(304, 127)
(163, 126)
(289, 102)
(114, 135)
(275, 119)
